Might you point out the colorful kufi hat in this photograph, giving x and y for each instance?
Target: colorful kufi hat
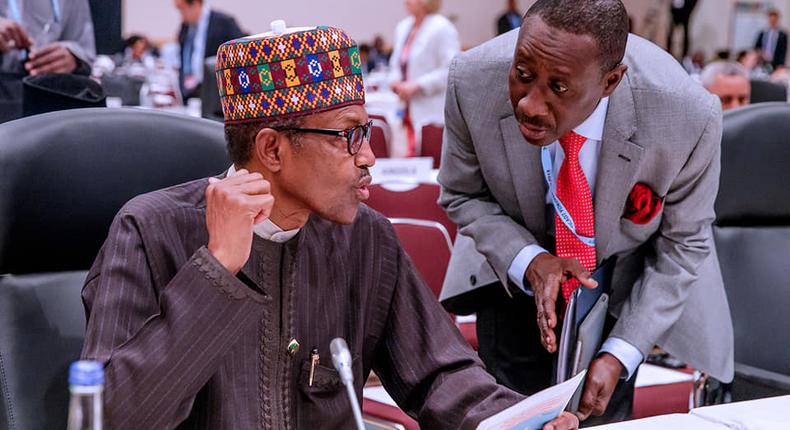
(287, 73)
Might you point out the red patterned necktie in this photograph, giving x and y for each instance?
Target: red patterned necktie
(574, 193)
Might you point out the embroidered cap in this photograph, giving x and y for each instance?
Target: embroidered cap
(288, 72)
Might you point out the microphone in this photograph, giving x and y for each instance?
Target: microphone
(341, 359)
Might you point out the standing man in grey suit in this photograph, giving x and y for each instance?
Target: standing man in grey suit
(631, 147)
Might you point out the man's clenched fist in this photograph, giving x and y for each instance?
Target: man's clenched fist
(233, 206)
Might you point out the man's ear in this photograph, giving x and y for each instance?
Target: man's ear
(268, 148)
(613, 79)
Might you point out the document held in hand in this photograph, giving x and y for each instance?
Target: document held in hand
(536, 410)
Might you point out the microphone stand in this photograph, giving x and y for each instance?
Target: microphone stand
(341, 359)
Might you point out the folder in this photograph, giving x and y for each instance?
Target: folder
(582, 329)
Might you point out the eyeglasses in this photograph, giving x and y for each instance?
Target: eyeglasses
(354, 136)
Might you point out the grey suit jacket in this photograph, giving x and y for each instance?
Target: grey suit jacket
(662, 129)
(75, 30)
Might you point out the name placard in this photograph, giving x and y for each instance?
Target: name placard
(406, 170)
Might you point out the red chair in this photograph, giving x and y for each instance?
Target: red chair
(469, 331)
(376, 117)
(429, 246)
(431, 145)
(665, 399)
(378, 142)
(418, 202)
(386, 417)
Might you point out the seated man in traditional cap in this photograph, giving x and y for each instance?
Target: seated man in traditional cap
(213, 303)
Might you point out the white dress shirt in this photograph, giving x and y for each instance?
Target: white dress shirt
(267, 229)
(592, 129)
(199, 45)
(770, 39)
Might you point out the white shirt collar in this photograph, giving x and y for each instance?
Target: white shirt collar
(267, 229)
(592, 127)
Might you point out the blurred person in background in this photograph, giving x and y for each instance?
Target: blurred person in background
(772, 42)
(425, 42)
(364, 55)
(137, 49)
(729, 81)
(750, 59)
(202, 31)
(379, 53)
(40, 37)
(695, 63)
(510, 20)
(723, 54)
(681, 16)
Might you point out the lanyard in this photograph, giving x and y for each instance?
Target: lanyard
(55, 10)
(13, 9)
(16, 14)
(565, 216)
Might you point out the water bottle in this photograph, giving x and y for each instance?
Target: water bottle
(86, 383)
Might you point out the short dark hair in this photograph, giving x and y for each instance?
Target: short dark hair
(240, 138)
(131, 40)
(605, 20)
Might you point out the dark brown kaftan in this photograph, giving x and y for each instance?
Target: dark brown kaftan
(188, 345)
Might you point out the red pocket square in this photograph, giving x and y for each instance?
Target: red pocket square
(643, 204)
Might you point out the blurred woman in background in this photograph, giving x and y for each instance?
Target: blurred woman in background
(424, 44)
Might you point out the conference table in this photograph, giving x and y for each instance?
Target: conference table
(764, 414)
(658, 390)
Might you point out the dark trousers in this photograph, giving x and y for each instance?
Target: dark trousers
(509, 345)
(679, 19)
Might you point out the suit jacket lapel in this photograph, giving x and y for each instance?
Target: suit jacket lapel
(525, 169)
(618, 163)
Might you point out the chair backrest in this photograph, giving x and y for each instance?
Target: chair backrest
(418, 202)
(63, 177)
(767, 91)
(210, 104)
(752, 233)
(431, 145)
(380, 137)
(42, 327)
(429, 246)
(376, 117)
(127, 88)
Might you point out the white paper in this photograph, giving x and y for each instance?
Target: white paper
(465, 319)
(664, 422)
(763, 414)
(378, 394)
(650, 375)
(537, 409)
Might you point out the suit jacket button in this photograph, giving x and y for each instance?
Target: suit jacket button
(473, 280)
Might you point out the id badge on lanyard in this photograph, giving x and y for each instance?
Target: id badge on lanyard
(562, 212)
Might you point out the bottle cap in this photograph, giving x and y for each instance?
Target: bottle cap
(278, 27)
(86, 373)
